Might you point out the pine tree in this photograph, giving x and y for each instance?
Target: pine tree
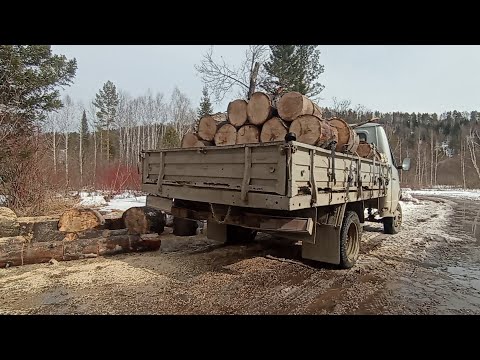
(30, 75)
(205, 107)
(294, 68)
(106, 101)
(84, 129)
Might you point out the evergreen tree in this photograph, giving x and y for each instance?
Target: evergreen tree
(106, 101)
(84, 129)
(294, 68)
(205, 107)
(30, 75)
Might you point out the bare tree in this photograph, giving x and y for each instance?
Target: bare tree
(66, 121)
(340, 107)
(472, 144)
(222, 78)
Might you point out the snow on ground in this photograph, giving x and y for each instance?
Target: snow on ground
(121, 201)
(124, 201)
(93, 200)
(455, 193)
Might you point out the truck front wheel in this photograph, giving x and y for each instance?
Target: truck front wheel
(391, 225)
(238, 235)
(350, 236)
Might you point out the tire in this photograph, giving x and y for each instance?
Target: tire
(392, 225)
(239, 235)
(350, 236)
(184, 227)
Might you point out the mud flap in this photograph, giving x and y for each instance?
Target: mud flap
(216, 231)
(325, 246)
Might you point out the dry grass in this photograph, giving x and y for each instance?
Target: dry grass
(51, 204)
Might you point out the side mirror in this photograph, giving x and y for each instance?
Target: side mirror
(405, 165)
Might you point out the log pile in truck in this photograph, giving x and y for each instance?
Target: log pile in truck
(275, 165)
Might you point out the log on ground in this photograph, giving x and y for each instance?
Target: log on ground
(11, 250)
(259, 108)
(237, 112)
(40, 228)
(76, 220)
(8, 223)
(144, 220)
(248, 134)
(311, 130)
(226, 135)
(274, 129)
(293, 104)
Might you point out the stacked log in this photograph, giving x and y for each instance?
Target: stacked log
(264, 119)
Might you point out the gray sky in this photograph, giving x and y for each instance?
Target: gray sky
(417, 78)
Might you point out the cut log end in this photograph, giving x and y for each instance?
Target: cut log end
(226, 135)
(76, 220)
(273, 130)
(293, 104)
(191, 140)
(237, 112)
(207, 127)
(310, 129)
(259, 108)
(248, 134)
(144, 220)
(348, 139)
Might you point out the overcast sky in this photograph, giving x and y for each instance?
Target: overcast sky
(420, 78)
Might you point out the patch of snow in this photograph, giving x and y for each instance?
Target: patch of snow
(124, 202)
(93, 200)
(454, 193)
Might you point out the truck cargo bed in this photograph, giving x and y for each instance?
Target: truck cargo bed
(274, 175)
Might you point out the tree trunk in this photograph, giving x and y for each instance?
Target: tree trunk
(253, 80)
(75, 220)
(208, 126)
(401, 160)
(17, 251)
(431, 157)
(226, 135)
(237, 112)
(54, 152)
(80, 156)
(259, 108)
(144, 220)
(348, 139)
(293, 104)
(248, 134)
(95, 155)
(462, 162)
(274, 129)
(191, 140)
(108, 144)
(66, 158)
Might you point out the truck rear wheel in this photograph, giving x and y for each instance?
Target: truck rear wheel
(391, 225)
(184, 227)
(238, 235)
(350, 236)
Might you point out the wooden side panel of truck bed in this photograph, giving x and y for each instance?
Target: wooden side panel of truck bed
(270, 175)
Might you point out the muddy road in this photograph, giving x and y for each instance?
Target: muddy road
(431, 267)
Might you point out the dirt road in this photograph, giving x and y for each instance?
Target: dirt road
(431, 267)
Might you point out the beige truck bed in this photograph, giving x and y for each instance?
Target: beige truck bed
(275, 175)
